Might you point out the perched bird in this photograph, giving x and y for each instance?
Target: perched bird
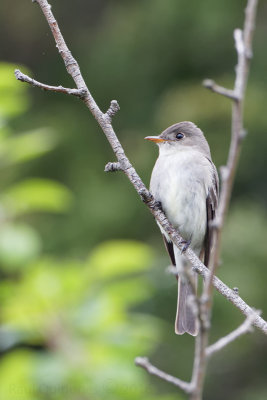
(185, 182)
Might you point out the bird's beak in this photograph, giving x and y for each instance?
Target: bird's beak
(155, 139)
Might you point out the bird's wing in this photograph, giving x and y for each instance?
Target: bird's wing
(211, 206)
(169, 248)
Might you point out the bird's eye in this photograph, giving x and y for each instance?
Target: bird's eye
(179, 136)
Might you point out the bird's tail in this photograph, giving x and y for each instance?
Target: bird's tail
(186, 320)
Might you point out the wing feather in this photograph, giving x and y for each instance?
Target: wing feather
(211, 206)
(169, 248)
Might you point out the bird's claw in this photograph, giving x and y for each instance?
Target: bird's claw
(158, 205)
(186, 244)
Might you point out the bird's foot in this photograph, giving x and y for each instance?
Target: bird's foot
(186, 244)
(158, 205)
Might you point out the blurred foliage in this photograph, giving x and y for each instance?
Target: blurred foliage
(79, 319)
(14, 100)
(20, 242)
(77, 303)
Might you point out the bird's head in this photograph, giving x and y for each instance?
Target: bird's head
(181, 136)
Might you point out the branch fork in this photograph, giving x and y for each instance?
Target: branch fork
(113, 109)
(144, 362)
(211, 85)
(60, 89)
(189, 387)
(113, 167)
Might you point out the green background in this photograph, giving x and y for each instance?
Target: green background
(83, 284)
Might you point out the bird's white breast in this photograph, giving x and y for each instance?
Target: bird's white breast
(180, 181)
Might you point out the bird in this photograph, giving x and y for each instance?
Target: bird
(184, 182)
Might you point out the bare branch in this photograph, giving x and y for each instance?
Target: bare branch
(113, 167)
(210, 84)
(236, 290)
(146, 196)
(144, 362)
(244, 328)
(200, 361)
(60, 89)
(233, 297)
(243, 43)
(230, 294)
(113, 109)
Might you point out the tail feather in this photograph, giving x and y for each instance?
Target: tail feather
(186, 320)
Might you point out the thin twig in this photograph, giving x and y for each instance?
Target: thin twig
(244, 328)
(210, 84)
(113, 167)
(60, 89)
(144, 362)
(113, 109)
(230, 294)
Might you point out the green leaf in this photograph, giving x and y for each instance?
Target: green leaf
(14, 99)
(36, 195)
(26, 146)
(136, 334)
(15, 376)
(47, 288)
(119, 378)
(120, 257)
(129, 292)
(19, 244)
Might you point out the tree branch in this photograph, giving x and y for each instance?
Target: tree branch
(232, 296)
(113, 109)
(210, 84)
(144, 362)
(113, 167)
(60, 89)
(243, 42)
(189, 387)
(244, 328)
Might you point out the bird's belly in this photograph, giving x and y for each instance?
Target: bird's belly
(185, 208)
(182, 191)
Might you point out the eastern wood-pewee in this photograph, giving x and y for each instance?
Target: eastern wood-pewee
(185, 181)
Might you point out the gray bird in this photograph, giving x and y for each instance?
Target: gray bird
(185, 182)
